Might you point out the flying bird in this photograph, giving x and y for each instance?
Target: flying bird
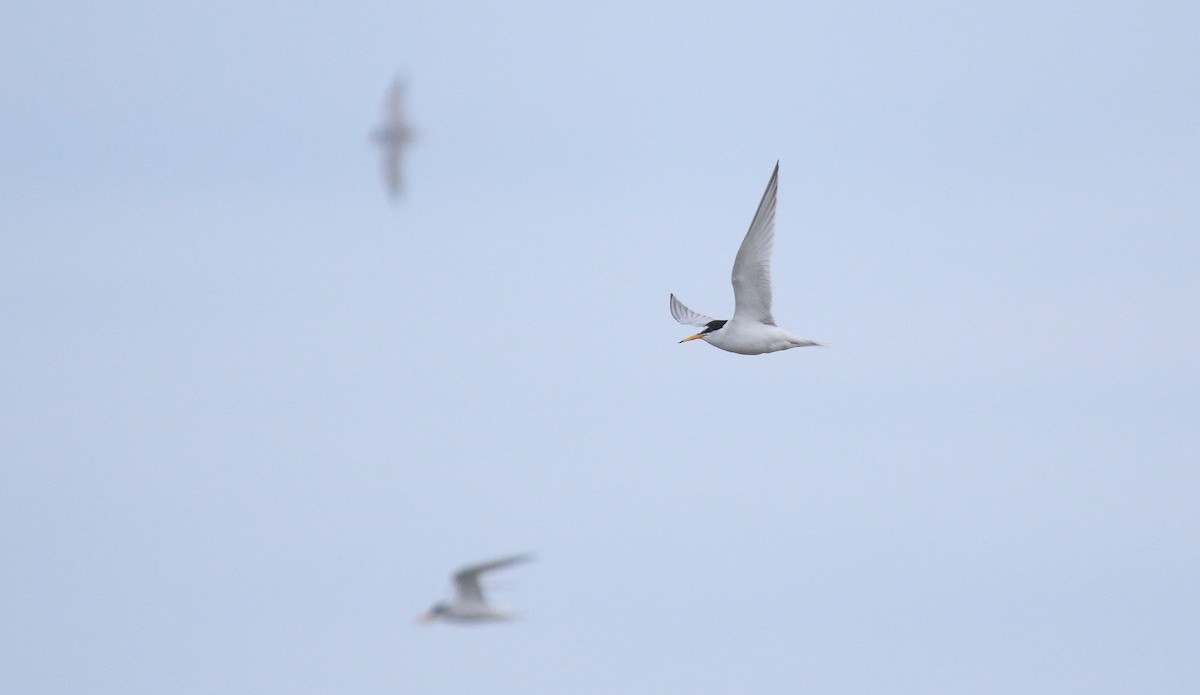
(468, 605)
(752, 330)
(393, 136)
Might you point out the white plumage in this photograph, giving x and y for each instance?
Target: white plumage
(469, 605)
(752, 330)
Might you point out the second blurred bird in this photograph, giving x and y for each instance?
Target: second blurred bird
(393, 136)
(469, 605)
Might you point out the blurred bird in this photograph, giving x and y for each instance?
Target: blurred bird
(393, 136)
(752, 330)
(469, 605)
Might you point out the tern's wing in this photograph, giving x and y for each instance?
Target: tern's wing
(391, 170)
(752, 267)
(466, 580)
(393, 104)
(686, 316)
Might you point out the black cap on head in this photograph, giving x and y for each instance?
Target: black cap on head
(712, 326)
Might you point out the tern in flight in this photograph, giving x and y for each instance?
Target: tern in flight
(752, 330)
(393, 136)
(468, 605)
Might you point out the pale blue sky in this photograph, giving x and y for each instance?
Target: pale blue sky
(255, 415)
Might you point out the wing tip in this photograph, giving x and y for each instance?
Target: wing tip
(679, 312)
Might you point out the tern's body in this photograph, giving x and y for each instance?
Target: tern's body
(469, 605)
(472, 613)
(752, 330)
(753, 338)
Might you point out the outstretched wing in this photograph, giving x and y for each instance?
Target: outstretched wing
(393, 104)
(466, 580)
(686, 316)
(752, 266)
(391, 170)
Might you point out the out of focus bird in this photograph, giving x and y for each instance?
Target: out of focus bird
(393, 136)
(752, 330)
(468, 605)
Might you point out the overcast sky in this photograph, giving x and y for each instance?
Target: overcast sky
(255, 414)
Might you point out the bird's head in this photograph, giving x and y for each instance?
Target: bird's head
(433, 613)
(709, 329)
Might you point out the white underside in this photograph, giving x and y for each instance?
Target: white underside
(753, 338)
(475, 613)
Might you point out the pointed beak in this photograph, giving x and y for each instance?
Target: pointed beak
(692, 337)
(427, 618)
